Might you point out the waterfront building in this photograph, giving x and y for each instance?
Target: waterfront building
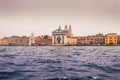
(118, 40)
(43, 40)
(32, 39)
(4, 41)
(90, 40)
(18, 41)
(38, 40)
(97, 39)
(24, 41)
(14, 41)
(62, 37)
(47, 42)
(72, 41)
(111, 39)
(81, 40)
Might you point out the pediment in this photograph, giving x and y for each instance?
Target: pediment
(58, 31)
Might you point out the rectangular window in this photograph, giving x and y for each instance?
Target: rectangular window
(110, 37)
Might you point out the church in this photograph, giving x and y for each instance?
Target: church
(61, 37)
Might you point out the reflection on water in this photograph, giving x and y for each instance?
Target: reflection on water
(59, 63)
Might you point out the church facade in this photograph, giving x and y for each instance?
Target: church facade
(63, 36)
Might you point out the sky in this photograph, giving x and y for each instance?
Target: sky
(41, 17)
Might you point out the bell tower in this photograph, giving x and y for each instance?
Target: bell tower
(70, 28)
(70, 32)
(31, 39)
(59, 27)
(65, 27)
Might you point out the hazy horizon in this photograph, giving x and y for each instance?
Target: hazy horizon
(87, 17)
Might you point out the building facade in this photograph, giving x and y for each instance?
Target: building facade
(24, 41)
(43, 40)
(15, 41)
(81, 40)
(90, 40)
(63, 37)
(72, 41)
(18, 41)
(111, 39)
(97, 39)
(38, 40)
(4, 41)
(32, 39)
(118, 40)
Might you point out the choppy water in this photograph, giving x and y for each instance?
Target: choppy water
(60, 63)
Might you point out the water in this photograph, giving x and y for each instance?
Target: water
(60, 63)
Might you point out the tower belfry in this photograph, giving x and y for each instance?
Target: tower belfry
(31, 39)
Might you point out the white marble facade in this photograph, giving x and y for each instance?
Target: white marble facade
(59, 36)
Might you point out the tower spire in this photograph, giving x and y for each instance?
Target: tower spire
(59, 27)
(65, 27)
(70, 28)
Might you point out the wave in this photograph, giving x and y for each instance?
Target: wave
(2, 50)
(78, 78)
(53, 63)
(47, 61)
(9, 75)
(106, 69)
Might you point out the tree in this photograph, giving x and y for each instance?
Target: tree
(45, 37)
